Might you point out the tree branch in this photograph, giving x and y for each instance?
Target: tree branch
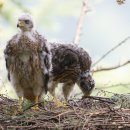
(111, 50)
(102, 99)
(80, 22)
(126, 85)
(111, 68)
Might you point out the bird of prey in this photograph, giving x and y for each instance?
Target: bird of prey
(70, 64)
(28, 61)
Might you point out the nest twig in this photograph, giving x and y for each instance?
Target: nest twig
(93, 113)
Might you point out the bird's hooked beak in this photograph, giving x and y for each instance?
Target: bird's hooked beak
(20, 24)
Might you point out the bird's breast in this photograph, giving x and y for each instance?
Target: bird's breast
(25, 57)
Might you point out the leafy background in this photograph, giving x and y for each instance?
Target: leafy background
(105, 25)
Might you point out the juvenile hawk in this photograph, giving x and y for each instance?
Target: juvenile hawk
(28, 61)
(70, 64)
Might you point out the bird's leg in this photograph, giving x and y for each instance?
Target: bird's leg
(36, 102)
(20, 103)
(55, 100)
(51, 88)
(18, 109)
(67, 88)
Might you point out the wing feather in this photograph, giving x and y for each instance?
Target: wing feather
(9, 55)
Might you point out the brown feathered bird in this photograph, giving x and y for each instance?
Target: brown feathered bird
(71, 65)
(28, 61)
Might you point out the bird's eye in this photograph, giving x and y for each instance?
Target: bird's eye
(27, 21)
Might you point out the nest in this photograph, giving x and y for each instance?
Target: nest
(91, 113)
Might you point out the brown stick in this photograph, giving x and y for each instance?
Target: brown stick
(99, 98)
(111, 50)
(114, 85)
(111, 68)
(80, 22)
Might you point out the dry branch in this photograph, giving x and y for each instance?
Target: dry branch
(112, 67)
(114, 85)
(111, 50)
(80, 22)
(107, 100)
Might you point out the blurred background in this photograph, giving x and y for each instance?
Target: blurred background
(106, 24)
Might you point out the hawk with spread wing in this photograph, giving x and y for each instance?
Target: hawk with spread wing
(70, 64)
(28, 61)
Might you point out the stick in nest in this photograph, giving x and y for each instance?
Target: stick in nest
(107, 100)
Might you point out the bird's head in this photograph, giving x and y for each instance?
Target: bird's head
(25, 22)
(86, 83)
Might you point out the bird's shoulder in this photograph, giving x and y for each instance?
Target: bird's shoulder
(42, 41)
(84, 58)
(39, 37)
(64, 55)
(64, 49)
(72, 53)
(11, 44)
(13, 40)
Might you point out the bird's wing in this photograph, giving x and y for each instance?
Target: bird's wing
(45, 56)
(45, 53)
(65, 62)
(9, 53)
(45, 59)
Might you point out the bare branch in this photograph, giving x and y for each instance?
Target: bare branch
(99, 98)
(126, 85)
(111, 68)
(111, 50)
(80, 22)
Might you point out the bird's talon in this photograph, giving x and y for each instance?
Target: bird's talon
(20, 109)
(35, 108)
(61, 104)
